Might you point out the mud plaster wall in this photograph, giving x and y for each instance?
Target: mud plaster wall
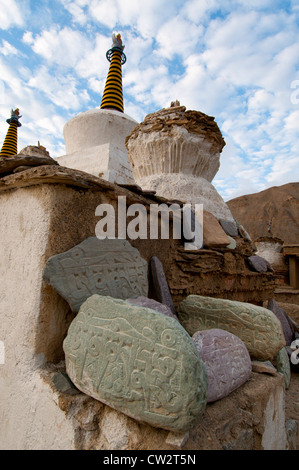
(40, 221)
(208, 272)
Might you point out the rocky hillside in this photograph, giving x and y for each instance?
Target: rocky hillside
(278, 206)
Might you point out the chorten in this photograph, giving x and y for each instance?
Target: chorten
(10, 144)
(176, 153)
(95, 139)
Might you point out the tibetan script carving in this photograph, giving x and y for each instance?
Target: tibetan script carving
(256, 326)
(104, 267)
(137, 361)
(226, 359)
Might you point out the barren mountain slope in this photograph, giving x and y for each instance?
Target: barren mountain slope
(279, 205)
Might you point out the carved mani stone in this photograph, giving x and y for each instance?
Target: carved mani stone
(153, 304)
(256, 326)
(105, 267)
(136, 361)
(226, 359)
(160, 285)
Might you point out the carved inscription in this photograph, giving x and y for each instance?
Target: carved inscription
(137, 361)
(226, 359)
(105, 267)
(258, 327)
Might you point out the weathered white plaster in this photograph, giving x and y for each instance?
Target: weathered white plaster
(188, 189)
(30, 419)
(272, 252)
(106, 161)
(95, 143)
(175, 151)
(274, 436)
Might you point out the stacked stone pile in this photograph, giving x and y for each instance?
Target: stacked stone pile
(30, 157)
(142, 357)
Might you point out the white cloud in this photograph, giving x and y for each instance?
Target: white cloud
(76, 9)
(178, 36)
(11, 14)
(60, 90)
(28, 37)
(235, 60)
(64, 46)
(8, 49)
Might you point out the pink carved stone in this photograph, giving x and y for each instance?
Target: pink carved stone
(226, 359)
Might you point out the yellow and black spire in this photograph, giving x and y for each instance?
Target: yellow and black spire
(113, 92)
(10, 144)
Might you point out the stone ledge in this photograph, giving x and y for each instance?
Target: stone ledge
(250, 418)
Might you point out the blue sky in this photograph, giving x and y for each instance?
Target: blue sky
(235, 60)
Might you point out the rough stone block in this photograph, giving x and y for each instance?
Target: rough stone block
(283, 366)
(63, 383)
(213, 234)
(229, 227)
(243, 233)
(226, 359)
(232, 243)
(104, 267)
(160, 285)
(256, 326)
(263, 367)
(259, 264)
(136, 361)
(279, 312)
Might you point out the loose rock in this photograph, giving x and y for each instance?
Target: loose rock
(259, 264)
(233, 244)
(30, 156)
(279, 312)
(263, 367)
(257, 327)
(283, 366)
(229, 227)
(160, 285)
(226, 359)
(213, 234)
(136, 361)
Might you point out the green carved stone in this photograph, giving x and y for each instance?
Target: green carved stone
(283, 366)
(104, 267)
(256, 326)
(137, 361)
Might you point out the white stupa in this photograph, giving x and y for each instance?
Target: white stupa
(95, 139)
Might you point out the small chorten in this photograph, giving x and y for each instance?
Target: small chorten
(113, 92)
(176, 152)
(10, 144)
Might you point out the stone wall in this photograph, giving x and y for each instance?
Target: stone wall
(48, 210)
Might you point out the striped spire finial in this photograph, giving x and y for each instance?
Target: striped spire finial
(10, 144)
(113, 92)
